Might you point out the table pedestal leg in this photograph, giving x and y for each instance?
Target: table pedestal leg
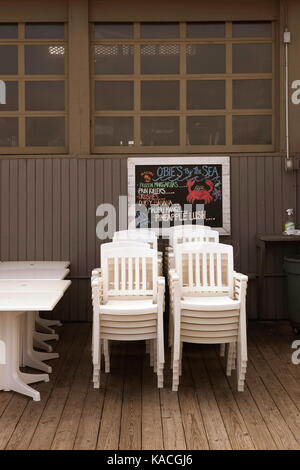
(46, 322)
(33, 358)
(37, 343)
(10, 376)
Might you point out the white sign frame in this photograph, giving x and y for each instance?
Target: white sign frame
(183, 160)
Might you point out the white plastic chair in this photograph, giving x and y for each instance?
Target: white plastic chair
(179, 230)
(186, 236)
(128, 303)
(96, 273)
(208, 304)
(143, 235)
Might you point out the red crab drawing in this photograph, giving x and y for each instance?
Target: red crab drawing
(202, 194)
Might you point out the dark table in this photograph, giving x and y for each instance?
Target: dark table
(262, 242)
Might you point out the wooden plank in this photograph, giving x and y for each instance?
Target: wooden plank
(215, 429)
(173, 430)
(275, 422)
(232, 418)
(22, 212)
(194, 430)
(109, 433)
(31, 204)
(46, 429)
(131, 422)
(67, 429)
(256, 426)
(90, 420)
(283, 402)
(152, 435)
(58, 222)
(39, 207)
(4, 210)
(92, 257)
(22, 435)
(48, 209)
(82, 220)
(13, 210)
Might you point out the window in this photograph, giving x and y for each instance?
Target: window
(185, 87)
(33, 74)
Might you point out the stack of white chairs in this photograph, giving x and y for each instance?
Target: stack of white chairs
(208, 304)
(128, 296)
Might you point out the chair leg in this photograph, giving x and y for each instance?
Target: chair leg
(97, 370)
(222, 349)
(230, 359)
(106, 355)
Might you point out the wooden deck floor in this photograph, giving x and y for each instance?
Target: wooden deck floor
(128, 412)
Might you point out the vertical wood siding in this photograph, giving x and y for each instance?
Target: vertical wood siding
(48, 211)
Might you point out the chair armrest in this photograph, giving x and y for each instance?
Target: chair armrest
(240, 285)
(97, 294)
(96, 272)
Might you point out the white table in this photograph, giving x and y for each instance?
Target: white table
(5, 265)
(13, 305)
(29, 356)
(34, 271)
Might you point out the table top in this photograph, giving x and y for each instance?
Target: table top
(33, 286)
(278, 238)
(29, 301)
(33, 274)
(4, 265)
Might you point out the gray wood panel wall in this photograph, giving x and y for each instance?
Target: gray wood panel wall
(48, 211)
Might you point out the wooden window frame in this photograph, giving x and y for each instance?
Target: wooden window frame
(182, 77)
(21, 78)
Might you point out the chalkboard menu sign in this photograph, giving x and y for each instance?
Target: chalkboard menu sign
(167, 191)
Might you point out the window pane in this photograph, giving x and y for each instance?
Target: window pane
(41, 60)
(163, 59)
(11, 97)
(8, 60)
(205, 30)
(114, 30)
(206, 94)
(206, 58)
(252, 94)
(45, 30)
(206, 130)
(160, 130)
(8, 132)
(45, 96)
(160, 94)
(113, 131)
(252, 130)
(159, 30)
(249, 29)
(114, 96)
(252, 58)
(8, 30)
(45, 132)
(116, 59)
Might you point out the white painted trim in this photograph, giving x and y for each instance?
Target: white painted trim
(184, 160)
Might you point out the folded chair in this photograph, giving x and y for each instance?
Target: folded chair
(208, 304)
(128, 303)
